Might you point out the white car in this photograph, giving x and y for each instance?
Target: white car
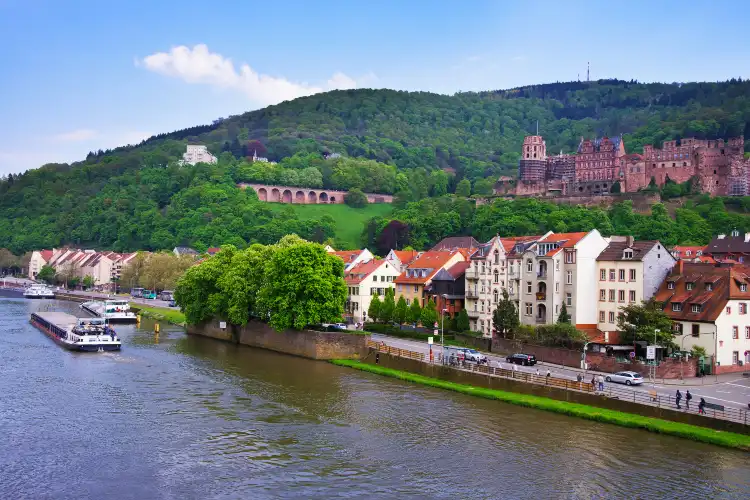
(475, 356)
(627, 378)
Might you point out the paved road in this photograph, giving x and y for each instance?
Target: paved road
(731, 391)
(137, 300)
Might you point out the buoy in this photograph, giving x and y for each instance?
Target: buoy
(156, 328)
(138, 320)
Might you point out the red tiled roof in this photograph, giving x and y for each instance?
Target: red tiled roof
(458, 269)
(510, 241)
(428, 260)
(570, 239)
(46, 254)
(362, 270)
(406, 256)
(347, 255)
(213, 250)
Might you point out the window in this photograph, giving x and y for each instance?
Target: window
(481, 305)
(495, 296)
(621, 296)
(696, 308)
(735, 357)
(743, 308)
(510, 289)
(528, 287)
(570, 257)
(611, 275)
(743, 288)
(677, 328)
(631, 298)
(729, 310)
(709, 287)
(529, 266)
(622, 275)
(670, 285)
(602, 295)
(611, 295)
(557, 287)
(569, 299)
(676, 306)
(611, 317)
(569, 277)
(632, 275)
(628, 254)
(557, 265)
(601, 316)
(416, 288)
(747, 332)
(603, 275)
(735, 332)
(529, 309)
(497, 276)
(696, 330)
(689, 286)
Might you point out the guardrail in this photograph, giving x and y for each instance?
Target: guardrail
(649, 398)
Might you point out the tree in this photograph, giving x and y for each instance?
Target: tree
(415, 312)
(88, 281)
(462, 321)
(67, 273)
(463, 188)
(355, 198)
(484, 187)
(564, 317)
(47, 274)
(698, 351)
(374, 310)
(388, 306)
(639, 322)
(429, 314)
(401, 311)
(505, 316)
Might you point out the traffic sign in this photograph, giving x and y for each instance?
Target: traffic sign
(651, 352)
(429, 340)
(632, 354)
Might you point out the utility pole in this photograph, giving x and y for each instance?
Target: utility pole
(588, 67)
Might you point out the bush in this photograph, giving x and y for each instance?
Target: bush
(355, 198)
(395, 331)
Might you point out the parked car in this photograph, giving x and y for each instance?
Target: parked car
(522, 359)
(172, 303)
(166, 295)
(475, 356)
(627, 378)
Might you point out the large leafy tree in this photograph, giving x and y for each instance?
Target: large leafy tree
(429, 314)
(388, 306)
(505, 316)
(415, 312)
(640, 322)
(462, 321)
(374, 310)
(401, 311)
(47, 274)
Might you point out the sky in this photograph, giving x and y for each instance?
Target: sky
(78, 76)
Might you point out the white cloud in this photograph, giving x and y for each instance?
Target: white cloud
(80, 135)
(198, 65)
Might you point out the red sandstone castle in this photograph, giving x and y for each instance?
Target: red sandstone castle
(718, 167)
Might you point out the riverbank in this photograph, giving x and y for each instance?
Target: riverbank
(160, 314)
(695, 433)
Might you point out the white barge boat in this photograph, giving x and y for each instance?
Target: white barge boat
(39, 292)
(114, 311)
(77, 334)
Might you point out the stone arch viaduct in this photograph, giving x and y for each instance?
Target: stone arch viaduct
(307, 196)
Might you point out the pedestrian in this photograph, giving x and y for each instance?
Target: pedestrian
(579, 378)
(549, 374)
(537, 372)
(688, 397)
(601, 382)
(701, 406)
(593, 383)
(678, 398)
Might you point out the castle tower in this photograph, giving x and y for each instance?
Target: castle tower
(533, 164)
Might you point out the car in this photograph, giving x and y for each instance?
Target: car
(475, 356)
(627, 378)
(148, 294)
(522, 359)
(172, 303)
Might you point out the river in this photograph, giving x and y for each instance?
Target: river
(178, 417)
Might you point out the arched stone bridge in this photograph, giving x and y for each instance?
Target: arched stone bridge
(290, 194)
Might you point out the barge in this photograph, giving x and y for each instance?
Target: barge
(77, 334)
(117, 310)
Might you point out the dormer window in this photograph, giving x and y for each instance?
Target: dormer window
(627, 254)
(670, 285)
(709, 287)
(689, 286)
(676, 307)
(696, 308)
(687, 253)
(743, 288)
(699, 253)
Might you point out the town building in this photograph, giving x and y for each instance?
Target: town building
(629, 272)
(182, 251)
(402, 258)
(687, 252)
(363, 281)
(454, 243)
(104, 267)
(39, 259)
(554, 270)
(486, 278)
(733, 248)
(447, 289)
(197, 153)
(709, 306)
(718, 167)
(412, 282)
(352, 257)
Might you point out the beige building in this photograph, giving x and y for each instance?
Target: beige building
(364, 280)
(104, 267)
(629, 272)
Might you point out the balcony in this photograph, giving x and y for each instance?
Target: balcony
(472, 313)
(471, 294)
(472, 274)
(541, 275)
(541, 296)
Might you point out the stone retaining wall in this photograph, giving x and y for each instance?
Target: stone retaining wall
(305, 343)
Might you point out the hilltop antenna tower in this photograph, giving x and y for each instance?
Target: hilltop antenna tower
(537, 127)
(588, 67)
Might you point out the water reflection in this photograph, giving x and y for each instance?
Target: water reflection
(189, 417)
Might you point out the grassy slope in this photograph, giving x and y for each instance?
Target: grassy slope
(349, 221)
(160, 314)
(727, 439)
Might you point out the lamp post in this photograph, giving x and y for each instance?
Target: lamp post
(585, 365)
(443, 310)
(682, 357)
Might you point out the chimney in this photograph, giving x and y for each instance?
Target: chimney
(680, 264)
(630, 240)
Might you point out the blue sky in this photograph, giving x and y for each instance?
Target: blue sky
(83, 75)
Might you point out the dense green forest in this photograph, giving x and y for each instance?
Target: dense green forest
(415, 145)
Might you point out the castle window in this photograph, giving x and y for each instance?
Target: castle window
(684, 164)
(673, 165)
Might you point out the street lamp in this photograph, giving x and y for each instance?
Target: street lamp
(443, 310)
(585, 365)
(682, 349)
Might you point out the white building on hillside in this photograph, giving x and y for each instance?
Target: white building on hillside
(197, 153)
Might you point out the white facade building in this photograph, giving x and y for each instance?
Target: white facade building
(364, 280)
(197, 153)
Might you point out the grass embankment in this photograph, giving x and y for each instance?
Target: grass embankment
(696, 433)
(160, 314)
(349, 221)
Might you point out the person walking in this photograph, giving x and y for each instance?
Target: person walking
(678, 398)
(549, 374)
(688, 397)
(601, 382)
(593, 383)
(701, 406)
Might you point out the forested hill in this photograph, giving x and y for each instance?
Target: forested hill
(391, 141)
